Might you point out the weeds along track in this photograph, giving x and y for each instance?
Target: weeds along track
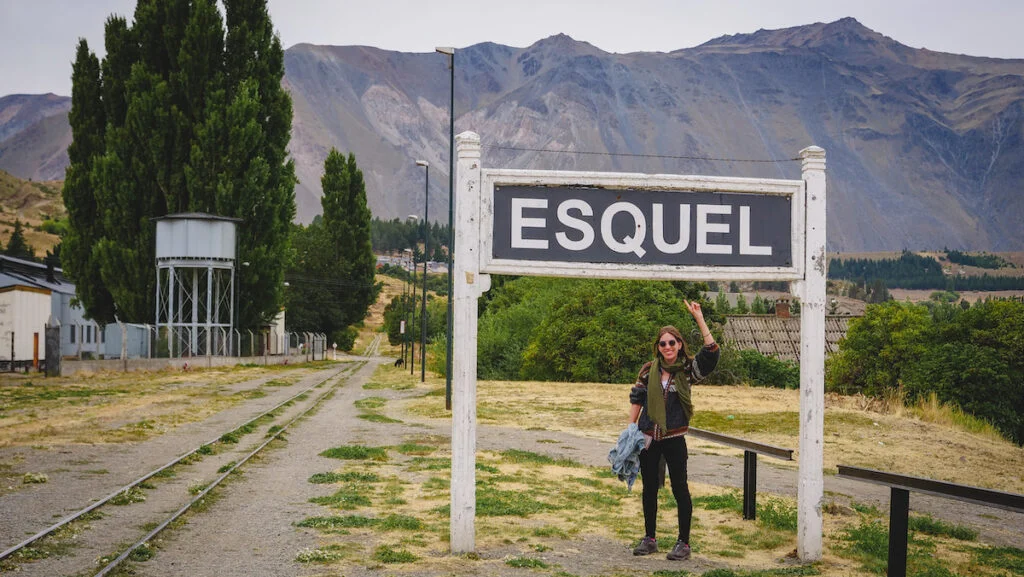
(46, 544)
(373, 349)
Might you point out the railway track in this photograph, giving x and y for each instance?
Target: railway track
(292, 409)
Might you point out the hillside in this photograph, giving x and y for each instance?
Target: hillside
(31, 203)
(924, 148)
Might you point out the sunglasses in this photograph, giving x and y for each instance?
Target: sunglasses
(671, 343)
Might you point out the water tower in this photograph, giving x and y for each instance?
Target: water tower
(195, 283)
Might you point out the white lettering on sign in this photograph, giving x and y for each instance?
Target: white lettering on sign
(745, 246)
(704, 228)
(628, 243)
(577, 233)
(658, 224)
(575, 223)
(519, 223)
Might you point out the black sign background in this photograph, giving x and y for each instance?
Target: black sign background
(770, 225)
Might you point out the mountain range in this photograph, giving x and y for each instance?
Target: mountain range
(925, 149)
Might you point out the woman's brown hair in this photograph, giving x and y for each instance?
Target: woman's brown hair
(679, 337)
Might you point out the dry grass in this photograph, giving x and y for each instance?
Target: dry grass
(857, 432)
(114, 407)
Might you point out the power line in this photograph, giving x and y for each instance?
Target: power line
(668, 156)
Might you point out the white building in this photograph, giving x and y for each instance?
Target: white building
(79, 336)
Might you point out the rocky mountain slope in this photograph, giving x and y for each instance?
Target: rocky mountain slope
(925, 149)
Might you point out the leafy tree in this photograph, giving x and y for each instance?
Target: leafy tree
(601, 331)
(722, 303)
(741, 305)
(16, 245)
(734, 287)
(190, 116)
(758, 307)
(878, 348)
(794, 307)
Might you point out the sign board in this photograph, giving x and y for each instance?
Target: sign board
(637, 226)
(641, 226)
(401, 328)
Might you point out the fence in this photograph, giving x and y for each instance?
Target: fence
(750, 452)
(899, 504)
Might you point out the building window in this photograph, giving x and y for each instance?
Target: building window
(73, 331)
(88, 333)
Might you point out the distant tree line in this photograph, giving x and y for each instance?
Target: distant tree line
(911, 271)
(984, 260)
(396, 235)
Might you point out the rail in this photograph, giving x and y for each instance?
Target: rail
(900, 487)
(751, 450)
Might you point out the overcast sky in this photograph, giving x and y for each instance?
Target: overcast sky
(38, 37)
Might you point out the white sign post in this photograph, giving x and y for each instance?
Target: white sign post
(639, 226)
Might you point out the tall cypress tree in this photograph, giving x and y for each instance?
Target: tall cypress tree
(88, 123)
(195, 120)
(361, 263)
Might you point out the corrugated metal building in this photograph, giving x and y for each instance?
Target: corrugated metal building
(778, 335)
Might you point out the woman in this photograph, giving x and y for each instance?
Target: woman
(660, 405)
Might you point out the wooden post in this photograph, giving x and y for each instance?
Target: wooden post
(469, 284)
(810, 485)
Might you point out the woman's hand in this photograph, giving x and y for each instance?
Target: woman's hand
(694, 308)
(698, 315)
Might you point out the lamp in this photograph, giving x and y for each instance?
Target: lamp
(450, 52)
(426, 251)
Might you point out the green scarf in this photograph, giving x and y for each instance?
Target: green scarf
(655, 392)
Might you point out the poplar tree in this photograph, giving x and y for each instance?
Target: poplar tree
(87, 119)
(333, 264)
(194, 120)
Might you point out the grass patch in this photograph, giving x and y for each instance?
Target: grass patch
(415, 449)
(1009, 558)
(347, 477)
(868, 543)
(930, 526)
(400, 523)
(370, 403)
(776, 514)
(128, 496)
(356, 452)
(387, 554)
(337, 522)
(731, 501)
(34, 478)
(491, 502)
(529, 457)
(347, 498)
(378, 418)
(279, 383)
(745, 424)
(526, 563)
(430, 464)
(227, 467)
(327, 554)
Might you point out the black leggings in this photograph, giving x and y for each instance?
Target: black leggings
(674, 451)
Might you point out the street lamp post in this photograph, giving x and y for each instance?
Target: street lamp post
(450, 51)
(426, 251)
